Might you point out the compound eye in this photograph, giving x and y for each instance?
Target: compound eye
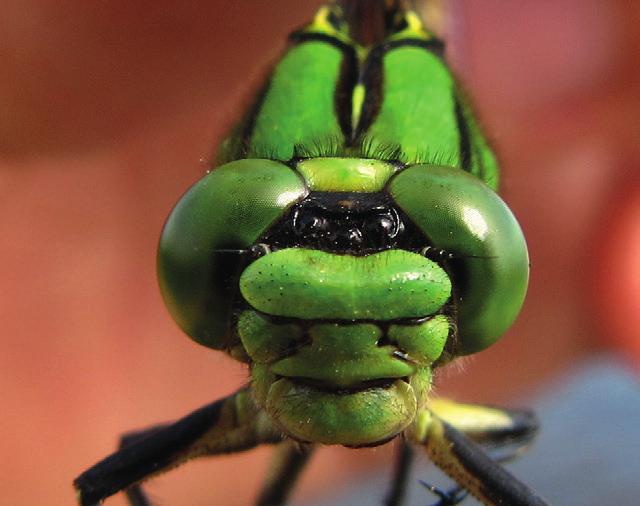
(228, 209)
(462, 216)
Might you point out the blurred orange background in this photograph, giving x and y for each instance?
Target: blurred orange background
(110, 110)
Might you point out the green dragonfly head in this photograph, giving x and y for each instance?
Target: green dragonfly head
(334, 254)
(327, 291)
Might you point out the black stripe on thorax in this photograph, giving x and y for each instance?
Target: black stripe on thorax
(435, 46)
(372, 78)
(251, 116)
(343, 93)
(302, 36)
(347, 79)
(464, 142)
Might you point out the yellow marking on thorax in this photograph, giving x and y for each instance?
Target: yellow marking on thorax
(357, 101)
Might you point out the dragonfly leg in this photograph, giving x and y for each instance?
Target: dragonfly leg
(504, 433)
(464, 460)
(229, 425)
(404, 459)
(135, 493)
(288, 463)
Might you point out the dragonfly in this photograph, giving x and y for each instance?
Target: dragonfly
(349, 242)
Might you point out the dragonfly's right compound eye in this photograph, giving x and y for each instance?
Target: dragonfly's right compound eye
(226, 211)
(462, 216)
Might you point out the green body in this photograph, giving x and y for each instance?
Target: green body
(288, 117)
(350, 242)
(436, 136)
(342, 344)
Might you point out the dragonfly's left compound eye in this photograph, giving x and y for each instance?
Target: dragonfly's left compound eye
(462, 216)
(226, 211)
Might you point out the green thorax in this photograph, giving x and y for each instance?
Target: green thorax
(396, 100)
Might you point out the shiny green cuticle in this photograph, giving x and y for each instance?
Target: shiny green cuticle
(422, 342)
(298, 107)
(345, 174)
(343, 356)
(430, 130)
(312, 284)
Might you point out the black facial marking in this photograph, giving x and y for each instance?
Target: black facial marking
(372, 78)
(344, 91)
(349, 222)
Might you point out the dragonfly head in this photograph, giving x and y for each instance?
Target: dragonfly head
(357, 277)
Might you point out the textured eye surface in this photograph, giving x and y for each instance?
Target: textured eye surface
(461, 215)
(229, 208)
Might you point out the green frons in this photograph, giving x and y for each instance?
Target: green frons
(312, 284)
